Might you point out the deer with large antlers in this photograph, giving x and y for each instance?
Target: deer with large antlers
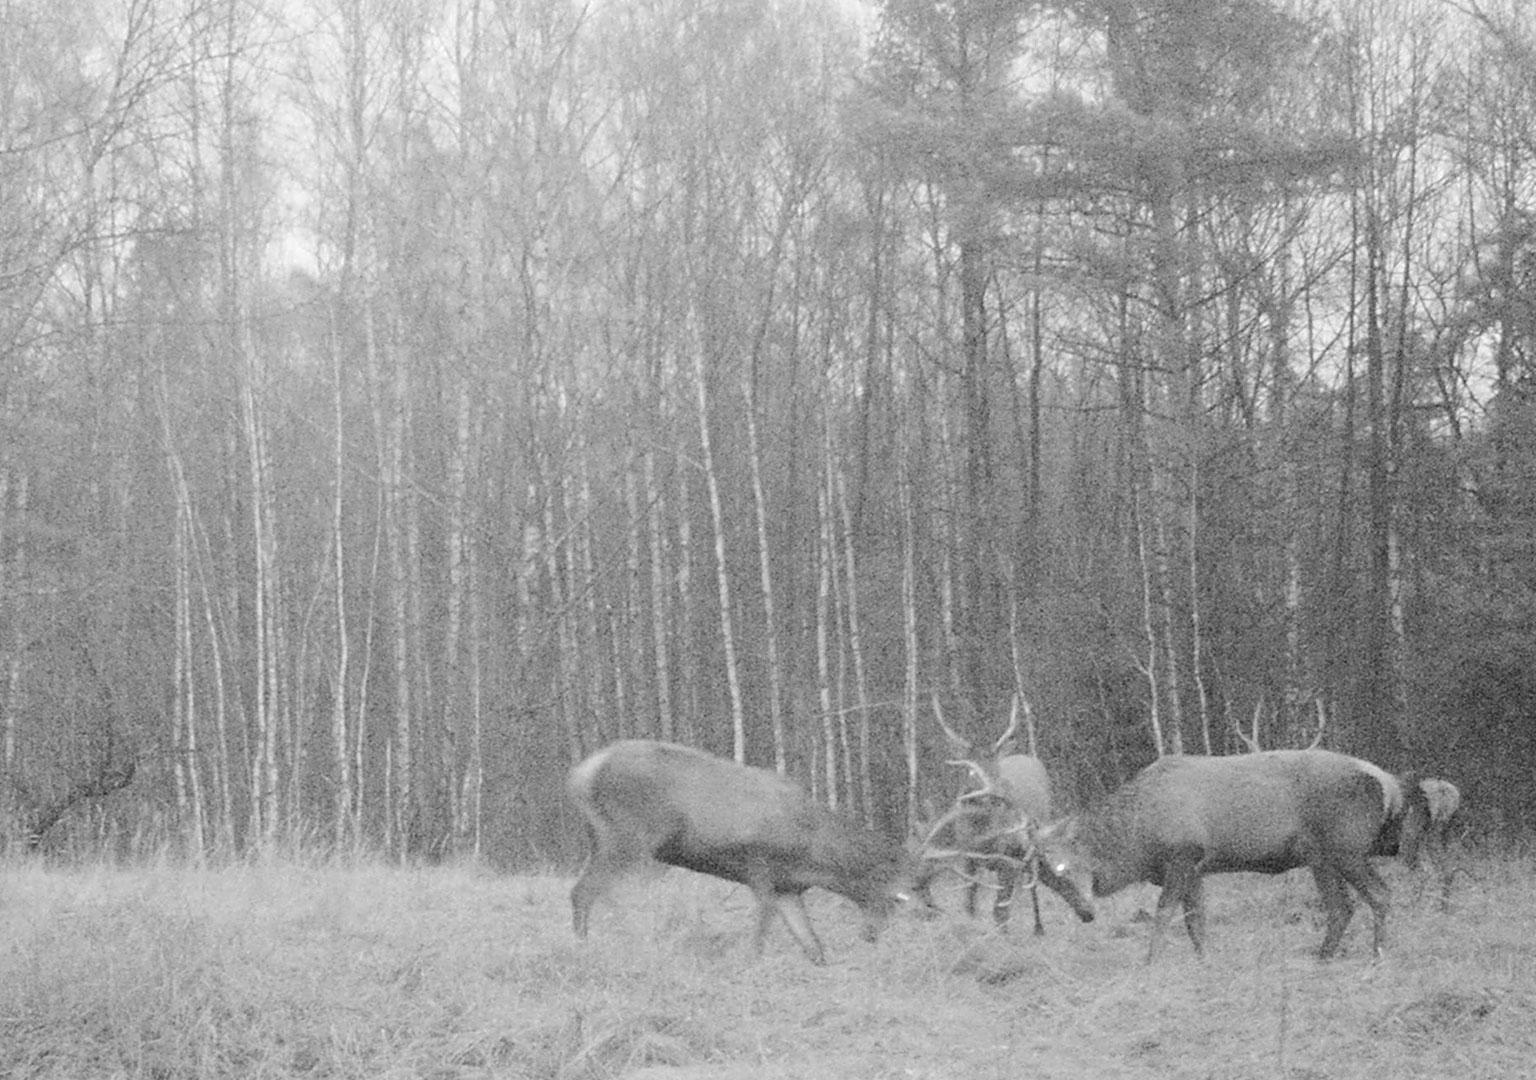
(992, 825)
(1186, 816)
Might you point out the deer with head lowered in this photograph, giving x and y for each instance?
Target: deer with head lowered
(993, 824)
(1185, 816)
(647, 801)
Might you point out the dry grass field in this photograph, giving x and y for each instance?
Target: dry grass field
(306, 970)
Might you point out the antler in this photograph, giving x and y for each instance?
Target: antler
(963, 746)
(1013, 723)
(1322, 724)
(981, 848)
(957, 812)
(961, 743)
(1252, 743)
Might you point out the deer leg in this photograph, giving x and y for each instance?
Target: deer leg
(872, 920)
(1181, 886)
(1337, 906)
(1008, 877)
(971, 888)
(761, 884)
(1438, 854)
(1007, 887)
(766, 909)
(1194, 912)
(788, 904)
(791, 906)
(1362, 875)
(604, 868)
(922, 891)
(1447, 873)
(1165, 901)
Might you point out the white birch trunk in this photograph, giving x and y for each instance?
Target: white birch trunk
(660, 599)
(398, 792)
(825, 557)
(855, 649)
(722, 566)
(341, 758)
(565, 663)
(765, 580)
(458, 541)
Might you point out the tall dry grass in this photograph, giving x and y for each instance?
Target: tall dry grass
(301, 970)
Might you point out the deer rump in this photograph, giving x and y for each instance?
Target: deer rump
(1186, 816)
(648, 801)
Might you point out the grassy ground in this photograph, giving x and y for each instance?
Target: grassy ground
(319, 971)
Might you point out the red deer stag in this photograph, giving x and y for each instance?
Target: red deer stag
(646, 801)
(991, 826)
(1186, 816)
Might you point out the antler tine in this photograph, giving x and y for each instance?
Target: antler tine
(1322, 724)
(1013, 723)
(1251, 742)
(960, 742)
(936, 826)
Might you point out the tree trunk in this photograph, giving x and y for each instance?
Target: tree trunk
(688, 660)
(582, 582)
(14, 504)
(765, 580)
(1143, 497)
(474, 774)
(371, 621)
(188, 763)
(909, 625)
(399, 789)
(629, 623)
(974, 530)
(722, 566)
(866, 786)
(566, 712)
(660, 598)
(825, 557)
(947, 539)
(341, 757)
(460, 537)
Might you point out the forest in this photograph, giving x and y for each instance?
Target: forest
(400, 399)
